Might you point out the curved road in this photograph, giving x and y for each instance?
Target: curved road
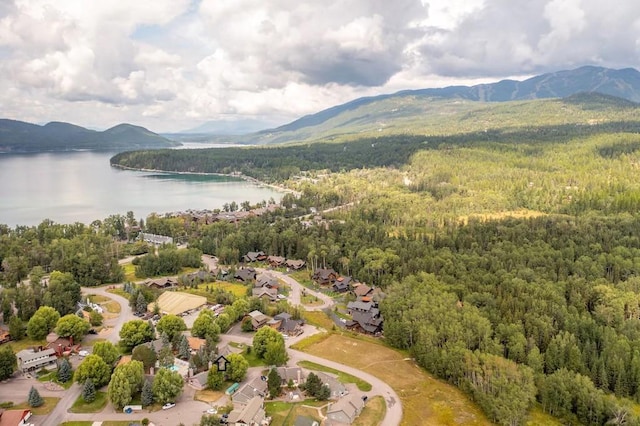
(295, 297)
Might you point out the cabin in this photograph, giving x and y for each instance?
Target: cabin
(254, 256)
(346, 409)
(325, 276)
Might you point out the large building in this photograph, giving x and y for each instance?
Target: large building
(176, 303)
(30, 360)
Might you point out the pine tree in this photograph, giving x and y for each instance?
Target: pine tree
(34, 399)
(141, 304)
(89, 391)
(273, 383)
(323, 393)
(147, 394)
(184, 350)
(64, 371)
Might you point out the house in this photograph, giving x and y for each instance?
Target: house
(305, 421)
(199, 381)
(362, 290)
(4, 336)
(15, 417)
(199, 277)
(258, 319)
(161, 283)
(155, 239)
(367, 322)
(251, 414)
(265, 292)
(256, 387)
(195, 343)
(254, 256)
(266, 280)
(245, 274)
(346, 409)
(284, 324)
(325, 276)
(342, 284)
(276, 261)
(359, 306)
(155, 345)
(62, 345)
(294, 264)
(295, 374)
(335, 386)
(30, 359)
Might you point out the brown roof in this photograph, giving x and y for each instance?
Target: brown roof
(196, 343)
(12, 417)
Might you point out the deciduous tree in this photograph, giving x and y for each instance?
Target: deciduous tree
(8, 362)
(107, 351)
(167, 386)
(72, 326)
(93, 367)
(134, 333)
(42, 322)
(171, 325)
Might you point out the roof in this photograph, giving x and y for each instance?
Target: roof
(331, 380)
(27, 355)
(200, 379)
(360, 306)
(367, 321)
(282, 316)
(295, 263)
(362, 290)
(290, 373)
(350, 405)
(196, 343)
(12, 417)
(272, 293)
(258, 316)
(174, 302)
(256, 387)
(250, 413)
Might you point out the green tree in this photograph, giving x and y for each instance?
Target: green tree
(93, 367)
(274, 383)
(141, 304)
(205, 325)
(72, 326)
(171, 325)
(313, 384)
(16, 328)
(42, 322)
(34, 399)
(64, 370)
(95, 318)
(184, 350)
(165, 356)
(63, 292)
(89, 391)
(276, 353)
(107, 351)
(134, 333)
(215, 379)
(246, 325)
(263, 337)
(8, 362)
(167, 386)
(147, 394)
(126, 381)
(7, 309)
(236, 368)
(146, 355)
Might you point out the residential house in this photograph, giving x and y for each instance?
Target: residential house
(266, 280)
(224, 350)
(295, 264)
(256, 387)
(293, 374)
(276, 261)
(161, 283)
(359, 306)
(199, 277)
(305, 421)
(4, 336)
(15, 417)
(286, 325)
(254, 256)
(30, 359)
(335, 386)
(195, 343)
(155, 239)
(245, 274)
(258, 319)
(367, 322)
(362, 290)
(270, 294)
(199, 381)
(346, 409)
(342, 284)
(251, 414)
(325, 276)
(62, 345)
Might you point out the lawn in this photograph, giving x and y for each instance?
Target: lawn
(253, 359)
(48, 406)
(539, 418)
(208, 396)
(284, 413)
(129, 272)
(319, 319)
(303, 344)
(53, 377)
(311, 300)
(425, 400)
(120, 292)
(90, 407)
(373, 412)
(238, 290)
(342, 376)
(304, 278)
(25, 343)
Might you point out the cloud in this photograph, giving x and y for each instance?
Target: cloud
(172, 64)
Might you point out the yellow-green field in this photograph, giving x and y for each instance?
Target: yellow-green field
(373, 412)
(48, 406)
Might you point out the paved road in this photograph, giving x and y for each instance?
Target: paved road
(126, 314)
(295, 297)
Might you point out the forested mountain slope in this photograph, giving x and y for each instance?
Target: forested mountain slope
(18, 136)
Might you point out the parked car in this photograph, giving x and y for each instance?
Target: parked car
(83, 353)
(212, 411)
(92, 331)
(168, 405)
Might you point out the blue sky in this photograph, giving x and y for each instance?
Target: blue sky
(171, 65)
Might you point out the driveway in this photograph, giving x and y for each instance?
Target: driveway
(115, 324)
(295, 296)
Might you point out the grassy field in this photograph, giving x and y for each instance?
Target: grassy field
(238, 290)
(48, 406)
(90, 407)
(208, 396)
(425, 400)
(342, 376)
(319, 319)
(53, 377)
(310, 300)
(285, 414)
(130, 272)
(119, 292)
(373, 412)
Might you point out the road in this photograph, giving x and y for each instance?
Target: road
(295, 296)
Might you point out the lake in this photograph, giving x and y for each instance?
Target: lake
(82, 187)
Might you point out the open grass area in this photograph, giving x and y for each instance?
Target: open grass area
(238, 290)
(53, 377)
(342, 376)
(373, 412)
(120, 292)
(120, 423)
(309, 341)
(25, 343)
(208, 396)
(285, 414)
(537, 417)
(129, 272)
(425, 400)
(319, 319)
(49, 404)
(311, 300)
(90, 407)
(304, 278)
(253, 359)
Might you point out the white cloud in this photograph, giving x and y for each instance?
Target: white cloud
(171, 64)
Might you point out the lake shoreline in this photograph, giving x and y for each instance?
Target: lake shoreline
(246, 178)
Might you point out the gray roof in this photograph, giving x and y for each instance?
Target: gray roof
(360, 306)
(256, 387)
(252, 413)
(27, 355)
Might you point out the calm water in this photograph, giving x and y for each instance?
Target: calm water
(82, 187)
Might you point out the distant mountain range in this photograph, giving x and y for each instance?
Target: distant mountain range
(357, 114)
(18, 136)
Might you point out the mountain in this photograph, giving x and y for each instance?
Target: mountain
(18, 136)
(377, 112)
(235, 127)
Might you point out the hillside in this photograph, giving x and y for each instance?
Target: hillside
(413, 110)
(18, 136)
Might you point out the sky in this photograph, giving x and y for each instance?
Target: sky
(171, 65)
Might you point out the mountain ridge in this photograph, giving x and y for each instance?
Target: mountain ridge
(20, 136)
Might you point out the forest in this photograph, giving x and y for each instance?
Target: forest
(510, 258)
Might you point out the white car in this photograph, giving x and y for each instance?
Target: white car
(212, 411)
(83, 353)
(168, 405)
